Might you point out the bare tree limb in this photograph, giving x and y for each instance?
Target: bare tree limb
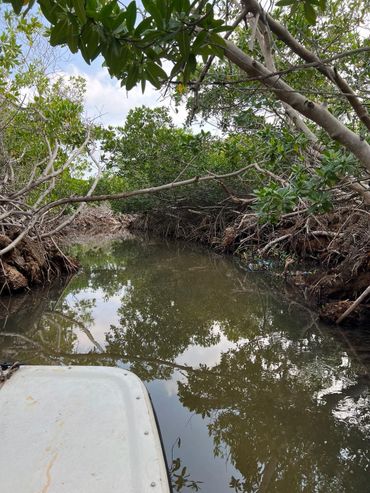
(315, 112)
(284, 35)
(144, 191)
(354, 305)
(81, 206)
(49, 176)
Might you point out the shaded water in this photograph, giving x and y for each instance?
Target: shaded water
(251, 395)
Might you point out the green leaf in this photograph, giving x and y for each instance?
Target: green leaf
(217, 44)
(309, 12)
(156, 70)
(205, 52)
(143, 26)
(52, 12)
(17, 6)
(222, 29)
(116, 56)
(108, 15)
(183, 40)
(192, 62)
(92, 9)
(199, 41)
(72, 38)
(188, 69)
(91, 4)
(79, 6)
(131, 12)
(59, 32)
(132, 77)
(162, 7)
(284, 3)
(181, 6)
(153, 79)
(90, 41)
(177, 68)
(117, 24)
(107, 10)
(151, 7)
(215, 39)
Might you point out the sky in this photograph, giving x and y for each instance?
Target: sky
(106, 99)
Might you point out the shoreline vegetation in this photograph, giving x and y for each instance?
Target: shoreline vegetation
(324, 257)
(272, 162)
(325, 267)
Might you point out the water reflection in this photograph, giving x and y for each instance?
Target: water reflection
(251, 394)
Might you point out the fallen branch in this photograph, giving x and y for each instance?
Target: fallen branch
(354, 305)
(143, 191)
(40, 213)
(273, 242)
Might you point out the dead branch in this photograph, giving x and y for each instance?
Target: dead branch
(41, 211)
(354, 305)
(81, 207)
(270, 244)
(144, 191)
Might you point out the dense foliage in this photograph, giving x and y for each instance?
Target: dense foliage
(135, 41)
(287, 89)
(324, 99)
(150, 150)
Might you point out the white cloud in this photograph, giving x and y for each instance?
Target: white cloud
(106, 99)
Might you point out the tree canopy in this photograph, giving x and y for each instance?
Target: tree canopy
(287, 85)
(293, 50)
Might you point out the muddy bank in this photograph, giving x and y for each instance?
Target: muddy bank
(325, 257)
(96, 223)
(31, 263)
(36, 262)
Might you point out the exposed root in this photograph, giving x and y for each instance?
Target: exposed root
(96, 223)
(32, 262)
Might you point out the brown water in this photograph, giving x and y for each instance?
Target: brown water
(251, 395)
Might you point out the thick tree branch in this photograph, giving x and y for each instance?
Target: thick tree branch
(263, 35)
(144, 191)
(284, 35)
(315, 112)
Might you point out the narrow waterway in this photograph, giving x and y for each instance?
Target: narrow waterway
(250, 393)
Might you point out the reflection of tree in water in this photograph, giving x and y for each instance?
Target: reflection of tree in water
(176, 302)
(31, 332)
(264, 417)
(265, 402)
(105, 267)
